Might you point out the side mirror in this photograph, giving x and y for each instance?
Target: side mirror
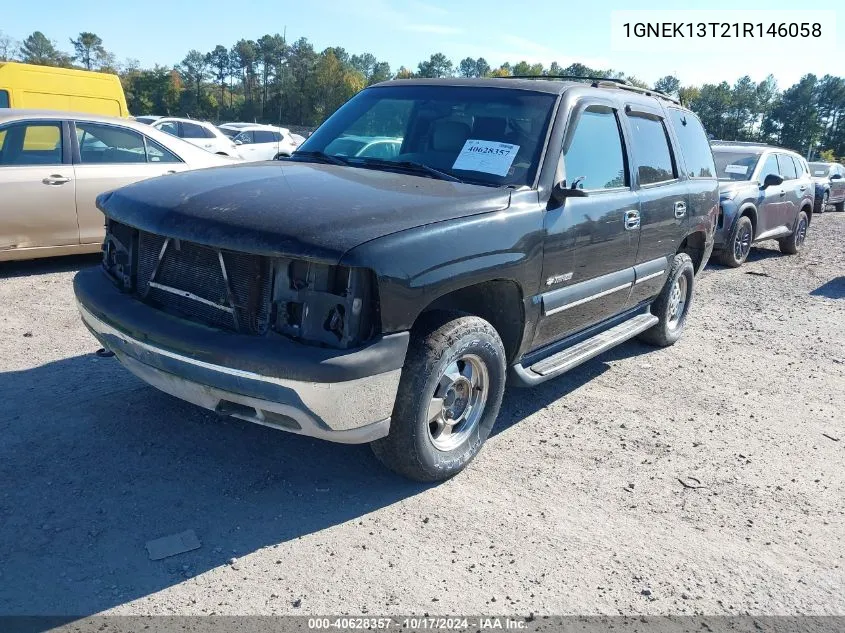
(772, 180)
(836, 177)
(237, 142)
(561, 192)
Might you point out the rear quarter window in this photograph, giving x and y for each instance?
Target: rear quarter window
(695, 148)
(4, 98)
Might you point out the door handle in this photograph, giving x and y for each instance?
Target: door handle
(55, 179)
(782, 194)
(803, 187)
(207, 145)
(632, 220)
(169, 171)
(680, 209)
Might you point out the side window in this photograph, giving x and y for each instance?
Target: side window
(192, 130)
(4, 98)
(769, 167)
(694, 145)
(787, 167)
(100, 144)
(596, 127)
(31, 144)
(651, 150)
(158, 154)
(171, 127)
(800, 170)
(245, 138)
(265, 136)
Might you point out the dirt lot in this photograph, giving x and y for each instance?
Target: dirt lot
(575, 505)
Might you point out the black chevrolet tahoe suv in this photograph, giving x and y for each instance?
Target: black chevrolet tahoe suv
(430, 238)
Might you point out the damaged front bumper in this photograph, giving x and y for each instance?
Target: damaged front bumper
(339, 395)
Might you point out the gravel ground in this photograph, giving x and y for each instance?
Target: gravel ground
(575, 506)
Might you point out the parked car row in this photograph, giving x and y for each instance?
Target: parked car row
(829, 180)
(247, 141)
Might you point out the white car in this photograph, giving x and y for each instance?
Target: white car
(261, 142)
(199, 133)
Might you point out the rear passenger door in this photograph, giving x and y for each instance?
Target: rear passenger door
(107, 157)
(591, 241)
(837, 183)
(37, 206)
(663, 197)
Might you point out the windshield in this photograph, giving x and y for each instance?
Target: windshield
(735, 165)
(819, 170)
(488, 136)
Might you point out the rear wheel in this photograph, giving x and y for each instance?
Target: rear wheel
(793, 243)
(672, 304)
(449, 397)
(739, 245)
(840, 206)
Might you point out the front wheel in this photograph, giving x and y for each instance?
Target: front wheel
(793, 243)
(739, 244)
(839, 206)
(449, 397)
(672, 304)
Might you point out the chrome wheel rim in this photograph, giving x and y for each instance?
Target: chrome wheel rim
(677, 302)
(800, 233)
(742, 243)
(458, 402)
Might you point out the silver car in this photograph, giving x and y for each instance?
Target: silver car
(53, 165)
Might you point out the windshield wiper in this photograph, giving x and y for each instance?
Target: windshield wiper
(409, 165)
(322, 156)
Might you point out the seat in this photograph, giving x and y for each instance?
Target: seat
(449, 136)
(489, 128)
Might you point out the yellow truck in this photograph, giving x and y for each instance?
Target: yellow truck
(69, 89)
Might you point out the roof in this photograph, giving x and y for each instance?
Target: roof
(539, 83)
(534, 85)
(717, 145)
(27, 113)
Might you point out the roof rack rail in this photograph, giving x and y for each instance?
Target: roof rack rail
(603, 82)
(717, 141)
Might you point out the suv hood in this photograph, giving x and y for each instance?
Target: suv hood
(293, 209)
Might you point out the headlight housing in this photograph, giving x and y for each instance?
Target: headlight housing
(336, 306)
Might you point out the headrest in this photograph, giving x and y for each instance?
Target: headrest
(489, 128)
(449, 136)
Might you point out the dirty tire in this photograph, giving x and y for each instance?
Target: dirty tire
(672, 315)
(821, 204)
(840, 206)
(795, 241)
(736, 250)
(437, 343)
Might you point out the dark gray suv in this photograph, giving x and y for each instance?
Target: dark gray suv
(765, 193)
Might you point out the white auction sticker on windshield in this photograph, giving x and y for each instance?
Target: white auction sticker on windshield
(820, 172)
(490, 157)
(736, 169)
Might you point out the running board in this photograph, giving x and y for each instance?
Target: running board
(571, 357)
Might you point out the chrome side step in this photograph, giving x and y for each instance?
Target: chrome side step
(571, 357)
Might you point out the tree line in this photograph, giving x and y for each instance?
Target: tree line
(272, 80)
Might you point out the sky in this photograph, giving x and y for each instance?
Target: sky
(404, 32)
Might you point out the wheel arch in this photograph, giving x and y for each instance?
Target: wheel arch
(498, 301)
(748, 209)
(694, 245)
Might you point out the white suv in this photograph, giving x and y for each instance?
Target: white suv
(198, 133)
(261, 142)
